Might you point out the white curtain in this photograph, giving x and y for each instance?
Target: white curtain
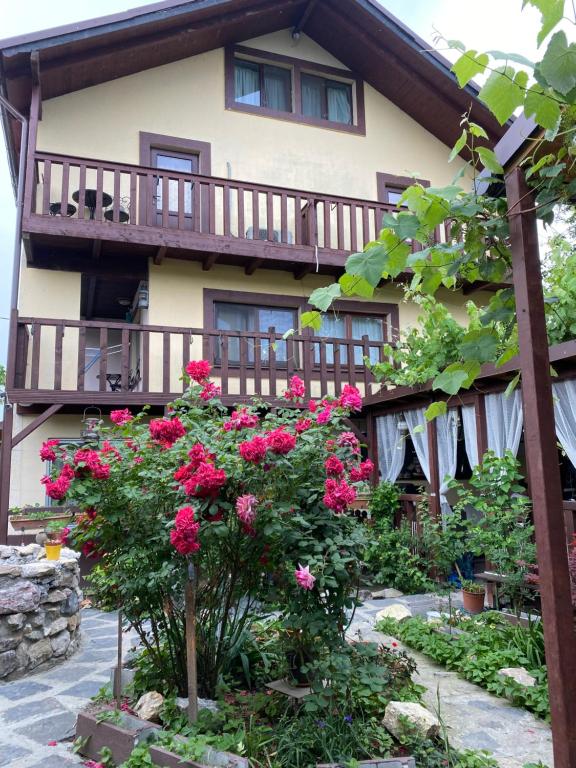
(339, 104)
(470, 434)
(565, 415)
(504, 419)
(447, 431)
(391, 446)
(414, 419)
(247, 83)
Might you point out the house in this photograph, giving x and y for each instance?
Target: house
(188, 173)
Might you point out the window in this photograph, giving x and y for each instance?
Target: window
(287, 88)
(262, 85)
(249, 317)
(351, 326)
(391, 188)
(326, 99)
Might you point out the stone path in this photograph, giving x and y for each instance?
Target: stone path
(41, 708)
(478, 720)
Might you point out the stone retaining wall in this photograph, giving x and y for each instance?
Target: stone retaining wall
(39, 608)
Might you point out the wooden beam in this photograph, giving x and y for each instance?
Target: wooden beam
(5, 469)
(38, 421)
(209, 262)
(159, 255)
(90, 297)
(481, 427)
(253, 265)
(96, 249)
(432, 432)
(299, 26)
(302, 271)
(543, 471)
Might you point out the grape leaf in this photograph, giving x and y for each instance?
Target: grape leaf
(311, 320)
(503, 92)
(551, 12)
(559, 64)
(436, 409)
(489, 160)
(469, 64)
(458, 147)
(322, 298)
(480, 346)
(352, 285)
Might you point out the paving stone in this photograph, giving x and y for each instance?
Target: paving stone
(9, 753)
(21, 689)
(86, 689)
(480, 740)
(55, 761)
(56, 728)
(30, 709)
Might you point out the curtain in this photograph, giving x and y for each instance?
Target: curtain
(333, 327)
(391, 447)
(415, 419)
(504, 419)
(247, 83)
(311, 96)
(447, 431)
(371, 327)
(277, 88)
(339, 104)
(565, 415)
(470, 434)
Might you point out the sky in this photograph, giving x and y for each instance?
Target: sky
(489, 25)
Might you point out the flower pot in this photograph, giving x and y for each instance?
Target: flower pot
(53, 550)
(473, 601)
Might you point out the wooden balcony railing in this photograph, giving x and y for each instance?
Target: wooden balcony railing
(138, 199)
(77, 361)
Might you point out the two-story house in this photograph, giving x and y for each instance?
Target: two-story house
(187, 174)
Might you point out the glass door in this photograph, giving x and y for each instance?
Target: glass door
(180, 162)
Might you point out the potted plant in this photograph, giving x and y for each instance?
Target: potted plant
(473, 594)
(53, 544)
(35, 517)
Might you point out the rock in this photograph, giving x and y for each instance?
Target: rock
(29, 549)
(70, 556)
(71, 606)
(182, 703)
(33, 634)
(10, 643)
(6, 551)
(38, 570)
(8, 663)
(16, 621)
(20, 597)
(420, 720)
(56, 626)
(40, 652)
(434, 617)
(519, 674)
(396, 611)
(60, 643)
(149, 705)
(74, 622)
(10, 570)
(385, 594)
(55, 596)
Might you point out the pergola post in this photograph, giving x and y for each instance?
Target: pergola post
(543, 469)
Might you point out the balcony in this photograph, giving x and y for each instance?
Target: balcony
(98, 208)
(80, 362)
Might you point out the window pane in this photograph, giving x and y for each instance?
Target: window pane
(339, 98)
(333, 326)
(373, 327)
(182, 165)
(277, 88)
(394, 196)
(170, 163)
(312, 96)
(281, 320)
(235, 317)
(247, 83)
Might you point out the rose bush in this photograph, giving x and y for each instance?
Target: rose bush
(257, 499)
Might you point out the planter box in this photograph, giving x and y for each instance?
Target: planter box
(26, 523)
(210, 759)
(120, 739)
(165, 759)
(389, 762)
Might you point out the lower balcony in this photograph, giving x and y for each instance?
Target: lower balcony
(81, 362)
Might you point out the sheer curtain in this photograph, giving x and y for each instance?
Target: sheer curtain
(391, 446)
(247, 83)
(447, 431)
(339, 104)
(470, 434)
(373, 327)
(415, 419)
(311, 96)
(504, 419)
(277, 88)
(565, 415)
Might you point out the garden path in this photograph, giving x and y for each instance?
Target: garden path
(40, 709)
(475, 719)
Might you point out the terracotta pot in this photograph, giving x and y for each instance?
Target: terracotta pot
(53, 550)
(473, 601)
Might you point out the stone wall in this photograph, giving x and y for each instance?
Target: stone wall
(39, 608)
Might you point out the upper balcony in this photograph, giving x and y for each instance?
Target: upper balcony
(93, 207)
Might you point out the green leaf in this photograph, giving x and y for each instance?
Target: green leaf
(477, 130)
(311, 320)
(512, 386)
(322, 298)
(368, 264)
(352, 285)
(458, 147)
(480, 346)
(544, 160)
(515, 57)
(559, 64)
(551, 11)
(436, 409)
(503, 92)
(489, 160)
(543, 105)
(469, 64)
(456, 376)
(406, 225)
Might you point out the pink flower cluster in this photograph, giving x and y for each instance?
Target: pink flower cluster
(47, 452)
(349, 440)
(209, 391)
(198, 370)
(120, 417)
(89, 461)
(276, 441)
(350, 399)
(302, 425)
(165, 432)
(296, 389)
(304, 578)
(334, 467)
(280, 442)
(184, 535)
(200, 477)
(246, 508)
(338, 495)
(362, 471)
(241, 420)
(57, 489)
(111, 450)
(253, 450)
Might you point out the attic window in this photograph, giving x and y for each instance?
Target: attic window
(285, 88)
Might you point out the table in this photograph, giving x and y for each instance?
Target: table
(56, 209)
(90, 197)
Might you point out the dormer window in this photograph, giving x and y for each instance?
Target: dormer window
(260, 82)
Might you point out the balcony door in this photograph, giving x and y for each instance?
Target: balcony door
(180, 162)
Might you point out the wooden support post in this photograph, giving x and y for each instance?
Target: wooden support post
(432, 432)
(190, 598)
(481, 427)
(118, 676)
(5, 468)
(543, 471)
